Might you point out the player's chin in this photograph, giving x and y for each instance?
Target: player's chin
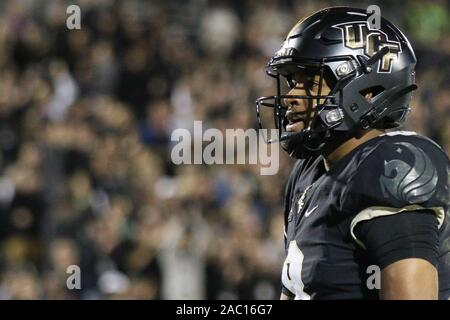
(295, 127)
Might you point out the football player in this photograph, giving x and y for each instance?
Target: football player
(366, 209)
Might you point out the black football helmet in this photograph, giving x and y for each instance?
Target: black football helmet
(339, 45)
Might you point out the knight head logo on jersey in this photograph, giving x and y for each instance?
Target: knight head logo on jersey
(359, 36)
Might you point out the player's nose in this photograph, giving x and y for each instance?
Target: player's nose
(294, 103)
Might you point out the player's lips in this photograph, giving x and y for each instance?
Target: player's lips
(295, 121)
(295, 127)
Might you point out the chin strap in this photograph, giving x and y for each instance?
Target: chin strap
(304, 143)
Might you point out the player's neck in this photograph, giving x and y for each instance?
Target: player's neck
(348, 146)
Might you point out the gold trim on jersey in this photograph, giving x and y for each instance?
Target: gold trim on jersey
(374, 212)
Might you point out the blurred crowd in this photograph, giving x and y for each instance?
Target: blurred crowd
(86, 117)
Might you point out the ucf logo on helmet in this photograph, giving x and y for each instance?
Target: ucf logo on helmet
(358, 35)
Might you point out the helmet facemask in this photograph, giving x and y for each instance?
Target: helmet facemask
(312, 81)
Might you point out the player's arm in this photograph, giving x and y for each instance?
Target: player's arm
(409, 279)
(405, 247)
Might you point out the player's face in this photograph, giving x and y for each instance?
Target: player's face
(301, 113)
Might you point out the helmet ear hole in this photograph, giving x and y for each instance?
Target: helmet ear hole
(370, 93)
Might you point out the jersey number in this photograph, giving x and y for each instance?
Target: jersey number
(292, 272)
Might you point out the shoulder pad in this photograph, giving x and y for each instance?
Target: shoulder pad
(400, 171)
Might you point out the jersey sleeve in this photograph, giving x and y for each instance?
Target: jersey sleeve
(400, 175)
(412, 234)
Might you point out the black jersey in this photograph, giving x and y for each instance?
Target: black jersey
(393, 173)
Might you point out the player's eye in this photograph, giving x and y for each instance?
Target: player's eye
(311, 83)
(301, 82)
